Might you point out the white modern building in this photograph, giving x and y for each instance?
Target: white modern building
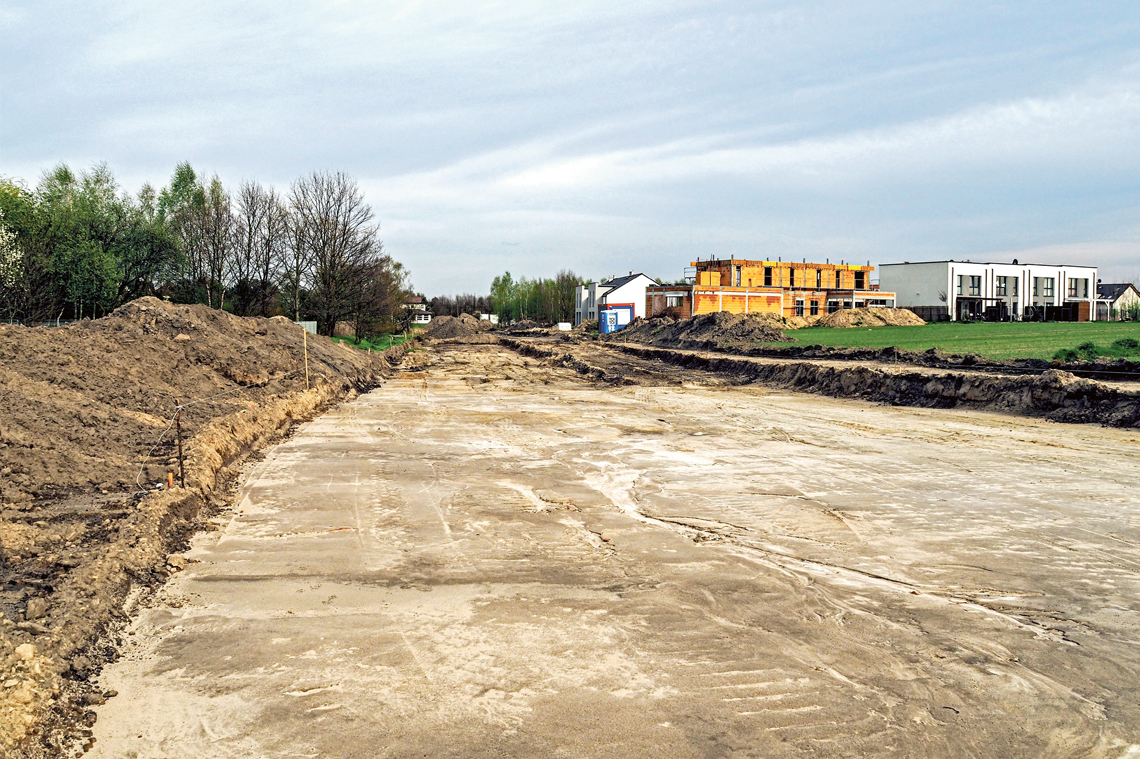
(617, 291)
(956, 290)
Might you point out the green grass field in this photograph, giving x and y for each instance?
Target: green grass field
(381, 343)
(1000, 341)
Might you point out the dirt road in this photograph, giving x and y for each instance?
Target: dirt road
(490, 557)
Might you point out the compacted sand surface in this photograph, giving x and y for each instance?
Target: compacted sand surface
(491, 557)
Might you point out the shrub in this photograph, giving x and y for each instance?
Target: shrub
(1126, 343)
(1068, 355)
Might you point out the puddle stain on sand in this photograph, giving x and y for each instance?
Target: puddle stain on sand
(461, 564)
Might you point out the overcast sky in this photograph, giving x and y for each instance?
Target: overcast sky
(604, 137)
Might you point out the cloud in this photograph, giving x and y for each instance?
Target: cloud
(593, 133)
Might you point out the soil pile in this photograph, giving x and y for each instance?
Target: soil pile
(870, 317)
(786, 322)
(451, 327)
(705, 332)
(529, 327)
(86, 445)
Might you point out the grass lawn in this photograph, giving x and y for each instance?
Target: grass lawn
(993, 340)
(380, 343)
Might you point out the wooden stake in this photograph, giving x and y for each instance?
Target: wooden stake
(305, 342)
(169, 480)
(181, 460)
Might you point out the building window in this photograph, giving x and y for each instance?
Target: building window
(860, 280)
(1001, 287)
(737, 277)
(1015, 281)
(799, 306)
(818, 281)
(767, 276)
(1085, 293)
(975, 286)
(837, 280)
(833, 306)
(1047, 287)
(791, 277)
(674, 301)
(1036, 286)
(1072, 288)
(814, 307)
(961, 279)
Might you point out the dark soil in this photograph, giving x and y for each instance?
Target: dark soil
(1053, 394)
(1103, 369)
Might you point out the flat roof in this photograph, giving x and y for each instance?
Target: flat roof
(764, 261)
(990, 263)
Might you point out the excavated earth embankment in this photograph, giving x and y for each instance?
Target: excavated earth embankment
(1054, 394)
(1105, 369)
(738, 334)
(87, 444)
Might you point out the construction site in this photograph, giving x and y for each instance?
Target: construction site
(223, 537)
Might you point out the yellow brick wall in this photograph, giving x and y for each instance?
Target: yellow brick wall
(734, 302)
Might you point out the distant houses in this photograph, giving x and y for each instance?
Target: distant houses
(624, 296)
(934, 290)
(1117, 302)
(969, 290)
(781, 288)
(418, 309)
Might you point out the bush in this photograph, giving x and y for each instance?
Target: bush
(1068, 355)
(1127, 343)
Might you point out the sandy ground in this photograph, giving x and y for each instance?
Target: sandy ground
(487, 557)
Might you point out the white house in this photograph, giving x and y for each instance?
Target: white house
(940, 290)
(418, 308)
(1117, 302)
(618, 291)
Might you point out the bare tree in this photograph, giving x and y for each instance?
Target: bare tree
(217, 223)
(260, 238)
(379, 296)
(334, 224)
(249, 224)
(296, 264)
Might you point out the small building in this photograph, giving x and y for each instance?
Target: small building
(968, 290)
(418, 308)
(1117, 302)
(781, 288)
(590, 299)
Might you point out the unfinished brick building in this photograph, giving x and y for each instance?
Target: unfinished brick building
(782, 288)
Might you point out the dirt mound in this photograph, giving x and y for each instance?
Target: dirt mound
(529, 327)
(870, 317)
(708, 331)
(1054, 394)
(785, 322)
(450, 327)
(87, 441)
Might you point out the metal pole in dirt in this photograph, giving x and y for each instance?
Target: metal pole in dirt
(305, 342)
(181, 461)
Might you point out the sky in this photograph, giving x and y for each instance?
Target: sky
(606, 137)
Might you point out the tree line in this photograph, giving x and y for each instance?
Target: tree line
(540, 300)
(78, 246)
